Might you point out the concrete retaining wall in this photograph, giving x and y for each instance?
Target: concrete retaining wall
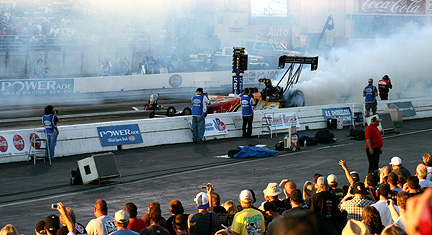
(82, 139)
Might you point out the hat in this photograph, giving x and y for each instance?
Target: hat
(52, 223)
(296, 196)
(359, 188)
(321, 181)
(396, 161)
(332, 179)
(121, 216)
(246, 196)
(202, 200)
(40, 227)
(354, 227)
(355, 175)
(370, 80)
(384, 190)
(199, 89)
(272, 190)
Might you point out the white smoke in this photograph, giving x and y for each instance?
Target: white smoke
(343, 73)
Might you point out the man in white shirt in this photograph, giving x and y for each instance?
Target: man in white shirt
(382, 206)
(104, 223)
(421, 173)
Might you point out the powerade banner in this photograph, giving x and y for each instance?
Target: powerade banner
(345, 113)
(119, 135)
(18, 144)
(213, 126)
(280, 121)
(36, 87)
(407, 108)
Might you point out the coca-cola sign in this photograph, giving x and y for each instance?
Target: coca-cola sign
(402, 7)
(18, 142)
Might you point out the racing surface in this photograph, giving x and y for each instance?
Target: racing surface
(164, 173)
(24, 117)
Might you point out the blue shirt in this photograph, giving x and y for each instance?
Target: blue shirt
(48, 122)
(370, 91)
(246, 103)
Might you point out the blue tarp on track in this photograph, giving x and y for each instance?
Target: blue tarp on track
(248, 151)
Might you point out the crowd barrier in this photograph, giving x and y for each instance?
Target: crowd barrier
(83, 138)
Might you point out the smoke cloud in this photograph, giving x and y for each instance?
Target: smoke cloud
(343, 72)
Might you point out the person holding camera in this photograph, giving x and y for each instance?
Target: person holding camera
(50, 121)
(199, 113)
(205, 221)
(247, 102)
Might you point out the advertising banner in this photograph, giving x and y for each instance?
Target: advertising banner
(36, 87)
(119, 135)
(407, 107)
(17, 144)
(280, 121)
(213, 127)
(401, 7)
(345, 113)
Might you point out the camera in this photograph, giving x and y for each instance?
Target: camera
(54, 206)
(55, 111)
(207, 187)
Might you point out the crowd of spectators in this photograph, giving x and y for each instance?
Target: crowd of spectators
(386, 202)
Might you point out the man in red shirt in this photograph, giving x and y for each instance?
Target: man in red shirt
(374, 143)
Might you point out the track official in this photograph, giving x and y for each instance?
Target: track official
(370, 93)
(199, 112)
(50, 121)
(374, 143)
(247, 103)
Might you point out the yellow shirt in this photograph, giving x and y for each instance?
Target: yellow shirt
(248, 221)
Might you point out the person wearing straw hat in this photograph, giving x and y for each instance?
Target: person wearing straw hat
(271, 194)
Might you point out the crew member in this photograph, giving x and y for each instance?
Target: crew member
(370, 92)
(247, 103)
(199, 112)
(50, 121)
(374, 143)
(384, 86)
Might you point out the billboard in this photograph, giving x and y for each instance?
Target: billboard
(269, 8)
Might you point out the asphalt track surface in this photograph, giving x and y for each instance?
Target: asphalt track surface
(168, 172)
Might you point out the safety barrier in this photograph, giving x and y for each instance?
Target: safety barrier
(83, 138)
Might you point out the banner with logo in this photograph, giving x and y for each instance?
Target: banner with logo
(407, 108)
(279, 121)
(17, 144)
(36, 87)
(345, 113)
(213, 127)
(119, 135)
(402, 7)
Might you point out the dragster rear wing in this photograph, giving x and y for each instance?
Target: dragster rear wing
(313, 61)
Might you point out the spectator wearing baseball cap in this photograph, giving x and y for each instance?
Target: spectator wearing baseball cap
(326, 204)
(121, 220)
(249, 220)
(333, 184)
(382, 205)
(40, 228)
(205, 221)
(354, 207)
(271, 194)
(397, 167)
(52, 224)
(352, 176)
(271, 216)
